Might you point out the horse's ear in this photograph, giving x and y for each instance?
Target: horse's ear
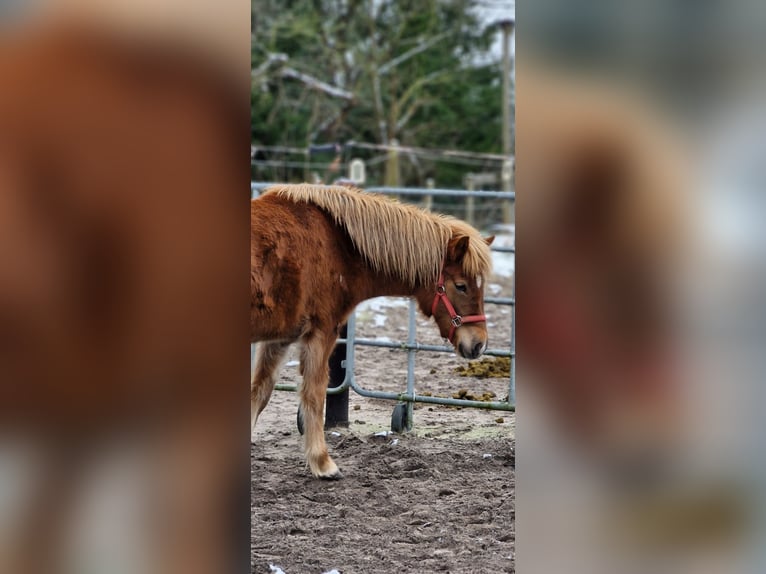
(457, 249)
(489, 240)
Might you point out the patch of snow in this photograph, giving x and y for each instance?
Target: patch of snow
(505, 235)
(378, 304)
(292, 363)
(494, 288)
(276, 569)
(486, 455)
(503, 264)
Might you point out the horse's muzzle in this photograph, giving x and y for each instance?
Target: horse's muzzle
(472, 349)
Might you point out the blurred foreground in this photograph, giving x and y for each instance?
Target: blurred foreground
(640, 155)
(123, 285)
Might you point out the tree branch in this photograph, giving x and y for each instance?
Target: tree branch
(416, 85)
(409, 113)
(385, 68)
(316, 84)
(271, 58)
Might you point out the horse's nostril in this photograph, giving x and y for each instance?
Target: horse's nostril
(477, 349)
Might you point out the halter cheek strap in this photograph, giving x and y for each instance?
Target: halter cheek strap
(455, 319)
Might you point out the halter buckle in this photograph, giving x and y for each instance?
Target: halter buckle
(441, 289)
(457, 320)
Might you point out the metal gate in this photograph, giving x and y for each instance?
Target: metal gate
(402, 415)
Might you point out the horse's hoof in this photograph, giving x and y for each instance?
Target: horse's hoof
(336, 476)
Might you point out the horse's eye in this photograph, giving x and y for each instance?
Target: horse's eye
(461, 287)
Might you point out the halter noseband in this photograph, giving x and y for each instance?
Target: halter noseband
(455, 319)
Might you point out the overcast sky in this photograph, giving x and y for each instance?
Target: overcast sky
(494, 11)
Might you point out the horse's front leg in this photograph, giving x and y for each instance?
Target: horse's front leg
(315, 354)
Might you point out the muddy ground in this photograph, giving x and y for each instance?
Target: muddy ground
(437, 499)
(407, 504)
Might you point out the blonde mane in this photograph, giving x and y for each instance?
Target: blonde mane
(395, 238)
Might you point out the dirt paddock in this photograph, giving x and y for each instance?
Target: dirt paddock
(437, 499)
(405, 504)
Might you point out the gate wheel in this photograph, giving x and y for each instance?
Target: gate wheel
(399, 418)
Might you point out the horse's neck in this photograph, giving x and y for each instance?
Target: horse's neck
(378, 285)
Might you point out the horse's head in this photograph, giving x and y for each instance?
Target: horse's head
(456, 301)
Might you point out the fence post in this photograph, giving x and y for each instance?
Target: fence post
(506, 176)
(469, 207)
(429, 199)
(392, 165)
(336, 411)
(507, 26)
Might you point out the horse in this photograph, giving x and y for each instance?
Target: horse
(316, 252)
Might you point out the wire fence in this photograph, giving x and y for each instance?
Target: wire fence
(410, 166)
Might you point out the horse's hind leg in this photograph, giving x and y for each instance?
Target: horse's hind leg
(315, 354)
(268, 357)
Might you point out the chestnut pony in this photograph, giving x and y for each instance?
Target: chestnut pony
(316, 252)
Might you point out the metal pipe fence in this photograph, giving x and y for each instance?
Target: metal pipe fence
(402, 417)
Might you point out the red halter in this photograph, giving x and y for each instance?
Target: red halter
(455, 319)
